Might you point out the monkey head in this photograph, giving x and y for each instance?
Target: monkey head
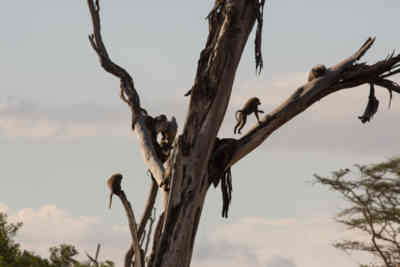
(160, 123)
(114, 184)
(316, 72)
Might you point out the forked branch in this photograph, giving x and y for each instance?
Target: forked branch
(128, 91)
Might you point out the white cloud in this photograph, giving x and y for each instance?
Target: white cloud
(277, 243)
(50, 226)
(253, 242)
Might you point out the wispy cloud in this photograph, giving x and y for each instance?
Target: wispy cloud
(22, 118)
(330, 124)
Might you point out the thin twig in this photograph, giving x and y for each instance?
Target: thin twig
(148, 237)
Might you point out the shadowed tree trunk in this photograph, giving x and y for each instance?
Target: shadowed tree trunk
(184, 170)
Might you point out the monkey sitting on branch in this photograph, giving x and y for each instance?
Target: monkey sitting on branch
(114, 184)
(316, 72)
(168, 135)
(251, 106)
(168, 130)
(157, 125)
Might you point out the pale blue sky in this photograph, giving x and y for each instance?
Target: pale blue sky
(62, 122)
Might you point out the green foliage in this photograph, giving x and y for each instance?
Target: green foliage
(373, 196)
(8, 248)
(12, 256)
(63, 255)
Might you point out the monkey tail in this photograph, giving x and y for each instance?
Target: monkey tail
(237, 115)
(109, 205)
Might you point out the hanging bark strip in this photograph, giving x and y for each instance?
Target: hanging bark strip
(372, 106)
(226, 189)
(259, 5)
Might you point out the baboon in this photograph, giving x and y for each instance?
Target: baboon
(160, 123)
(168, 130)
(169, 133)
(114, 184)
(251, 106)
(316, 72)
(156, 125)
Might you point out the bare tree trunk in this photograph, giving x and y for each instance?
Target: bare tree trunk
(197, 157)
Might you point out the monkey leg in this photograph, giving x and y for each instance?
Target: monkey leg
(234, 130)
(258, 118)
(238, 126)
(109, 205)
(243, 122)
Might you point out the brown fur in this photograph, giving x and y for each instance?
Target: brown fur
(169, 133)
(316, 72)
(114, 184)
(251, 106)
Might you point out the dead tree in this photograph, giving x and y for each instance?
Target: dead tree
(197, 158)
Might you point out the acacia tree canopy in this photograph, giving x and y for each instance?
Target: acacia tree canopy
(184, 170)
(373, 195)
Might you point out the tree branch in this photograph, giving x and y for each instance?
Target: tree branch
(150, 230)
(346, 74)
(146, 216)
(228, 33)
(128, 95)
(133, 229)
(96, 41)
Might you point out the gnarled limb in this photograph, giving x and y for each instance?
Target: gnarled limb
(128, 95)
(139, 260)
(346, 74)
